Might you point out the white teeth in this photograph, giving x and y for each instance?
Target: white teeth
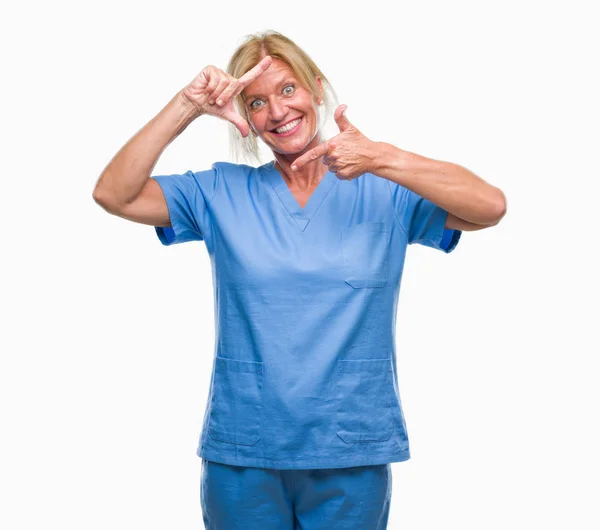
(288, 127)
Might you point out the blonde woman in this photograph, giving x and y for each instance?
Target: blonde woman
(304, 414)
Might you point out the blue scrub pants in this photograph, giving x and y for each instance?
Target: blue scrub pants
(252, 498)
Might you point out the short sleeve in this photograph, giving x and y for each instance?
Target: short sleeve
(423, 221)
(188, 197)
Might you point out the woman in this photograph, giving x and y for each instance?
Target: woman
(304, 415)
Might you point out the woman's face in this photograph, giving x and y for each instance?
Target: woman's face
(281, 111)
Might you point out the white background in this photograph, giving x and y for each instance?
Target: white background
(107, 336)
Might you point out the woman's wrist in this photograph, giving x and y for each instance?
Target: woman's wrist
(388, 159)
(188, 110)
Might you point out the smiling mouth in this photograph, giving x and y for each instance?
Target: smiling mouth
(288, 128)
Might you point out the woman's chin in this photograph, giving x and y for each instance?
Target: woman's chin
(291, 150)
(293, 147)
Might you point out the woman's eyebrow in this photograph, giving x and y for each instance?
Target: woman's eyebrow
(282, 81)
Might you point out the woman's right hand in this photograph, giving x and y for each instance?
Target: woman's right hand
(213, 92)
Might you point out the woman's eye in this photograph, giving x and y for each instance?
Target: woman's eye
(255, 104)
(288, 90)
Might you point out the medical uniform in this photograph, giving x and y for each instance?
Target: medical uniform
(304, 368)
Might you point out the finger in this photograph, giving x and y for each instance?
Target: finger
(340, 118)
(221, 85)
(252, 74)
(313, 154)
(213, 81)
(230, 90)
(239, 122)
(202, 80)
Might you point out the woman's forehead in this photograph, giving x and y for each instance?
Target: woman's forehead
(269, 80)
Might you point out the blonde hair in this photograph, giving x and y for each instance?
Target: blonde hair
(248, 54)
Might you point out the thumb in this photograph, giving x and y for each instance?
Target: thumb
(237, 120)
(340, 118)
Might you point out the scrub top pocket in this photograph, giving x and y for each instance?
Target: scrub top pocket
(365, 248)
(236, 403)
(364, 389)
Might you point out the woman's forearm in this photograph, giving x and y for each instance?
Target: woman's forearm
(125, 175)
(450, 186)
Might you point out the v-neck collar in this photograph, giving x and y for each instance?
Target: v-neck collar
(302, 216)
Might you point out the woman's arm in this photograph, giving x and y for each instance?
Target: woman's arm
(125, 187)
(127, 176)
(472, 203)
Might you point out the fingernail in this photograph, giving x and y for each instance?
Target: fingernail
(220, 102)
(294, 168)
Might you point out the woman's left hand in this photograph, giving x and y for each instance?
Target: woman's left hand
(348, 154)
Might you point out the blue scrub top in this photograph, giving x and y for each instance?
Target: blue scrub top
(304, 370)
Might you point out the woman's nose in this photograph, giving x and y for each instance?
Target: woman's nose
(278, 109)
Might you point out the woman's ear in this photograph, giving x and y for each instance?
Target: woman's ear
(322, 95)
